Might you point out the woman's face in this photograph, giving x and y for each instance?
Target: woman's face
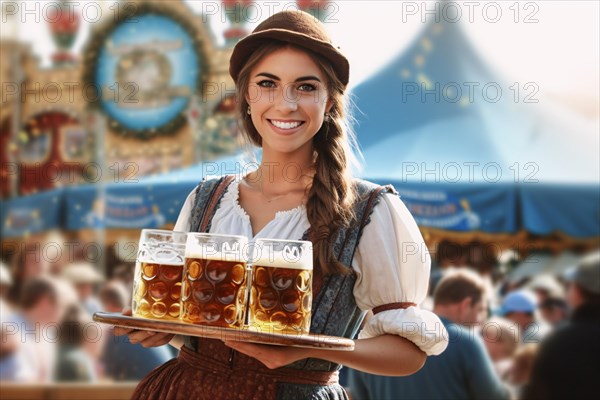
(287, 94)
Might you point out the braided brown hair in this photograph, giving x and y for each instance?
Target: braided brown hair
(331, 195)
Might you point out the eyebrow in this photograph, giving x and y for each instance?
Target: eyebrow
(300, 79)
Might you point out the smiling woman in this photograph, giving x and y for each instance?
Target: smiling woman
(291, 85)
(280, 85)
(288, 103)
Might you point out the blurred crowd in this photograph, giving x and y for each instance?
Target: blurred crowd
(506, 338)
(531, 338)
(47, 331)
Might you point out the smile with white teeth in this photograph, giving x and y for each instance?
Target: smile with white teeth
(286, 125)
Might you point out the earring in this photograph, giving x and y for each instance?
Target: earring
(327, 117)
(248, 111)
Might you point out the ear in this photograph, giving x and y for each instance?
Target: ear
(328, 105)
(466, 304)
(247, 94)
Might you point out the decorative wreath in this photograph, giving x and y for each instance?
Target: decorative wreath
(96, 44)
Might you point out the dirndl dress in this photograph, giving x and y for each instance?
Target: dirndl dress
(207, 369)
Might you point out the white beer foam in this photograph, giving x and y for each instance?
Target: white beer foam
(277, 260)
(216, 256)
(170, 262)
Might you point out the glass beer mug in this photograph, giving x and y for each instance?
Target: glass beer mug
(281, 293)
(214, 281)
(158, 274)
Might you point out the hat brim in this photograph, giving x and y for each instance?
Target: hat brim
(245, 47)
(79, 277)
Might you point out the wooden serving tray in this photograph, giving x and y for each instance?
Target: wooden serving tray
(246, 334)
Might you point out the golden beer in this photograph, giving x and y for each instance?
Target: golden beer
(158, 275)
(281, 294)
(157, 291)
(214, 292)
(214, 281)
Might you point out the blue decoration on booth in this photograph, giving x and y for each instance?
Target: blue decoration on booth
(36, 213)
(146, 71)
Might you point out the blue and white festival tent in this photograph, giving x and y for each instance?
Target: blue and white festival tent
(467, 154)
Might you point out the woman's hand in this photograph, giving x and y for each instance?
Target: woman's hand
(145, 338)
(271, 356)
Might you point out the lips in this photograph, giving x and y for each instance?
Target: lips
(285, 125)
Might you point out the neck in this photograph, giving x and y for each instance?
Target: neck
(443, 311)
(285, 169)
(448, 311)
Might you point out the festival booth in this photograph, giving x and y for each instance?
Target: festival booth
(30, 215)
(112, 215)
(474, 157)
(109, 214)
(151, 202)
(151, 96)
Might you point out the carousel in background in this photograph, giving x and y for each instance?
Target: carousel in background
(150, 93)
(44, 139)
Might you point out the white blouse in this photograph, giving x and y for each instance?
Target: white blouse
(391, 262)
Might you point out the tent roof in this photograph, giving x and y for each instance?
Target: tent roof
(429, 105)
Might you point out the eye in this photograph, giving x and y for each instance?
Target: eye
(307, 87)
(266, 83)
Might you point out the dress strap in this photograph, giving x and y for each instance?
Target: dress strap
(208, 196)
(214, 200)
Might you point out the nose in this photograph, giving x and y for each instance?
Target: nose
(287, 100)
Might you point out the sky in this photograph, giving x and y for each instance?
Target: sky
(552, 43)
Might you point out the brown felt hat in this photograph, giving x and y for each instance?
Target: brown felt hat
(295, 27)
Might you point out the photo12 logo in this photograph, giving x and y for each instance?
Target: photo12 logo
(465, 93)
(60, 11)
(471, 11)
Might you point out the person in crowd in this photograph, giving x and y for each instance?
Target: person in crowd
(546, 286)
(74, 363)
(42, 304)
(27, 263)
(483, 259)
(122, 360)
(555, 311)
(521, 307)
(6, 281)
(56, 253)
(464, 370)
(85, 278)
(291, 90)
(124, 273)
(567, 365)
(450, 254)
(502, 338)
(519, 373)
(9, 342)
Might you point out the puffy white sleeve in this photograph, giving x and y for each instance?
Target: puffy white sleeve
(184, 218)
(392, 266)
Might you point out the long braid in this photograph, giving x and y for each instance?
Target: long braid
(329, 205)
